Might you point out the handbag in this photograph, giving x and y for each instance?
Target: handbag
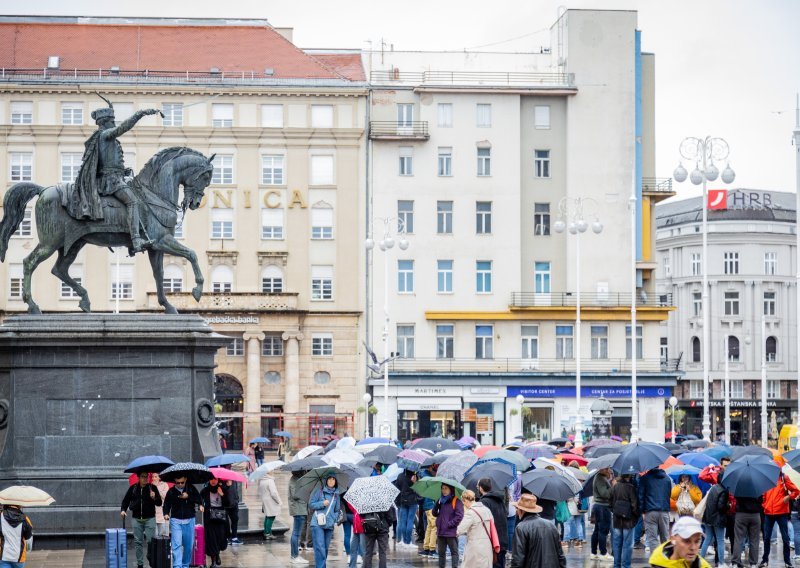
(700, 510)
(215, 514)
(322, 518)
(684, 503)
(573, 507)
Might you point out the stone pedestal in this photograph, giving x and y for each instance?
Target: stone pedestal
(81, 395)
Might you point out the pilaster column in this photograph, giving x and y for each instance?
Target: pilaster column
(252, 400)
(291, 403)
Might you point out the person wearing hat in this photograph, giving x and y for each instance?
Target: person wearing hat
(682, 550)
(537, 542)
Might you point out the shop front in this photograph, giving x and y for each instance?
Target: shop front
(745, 418)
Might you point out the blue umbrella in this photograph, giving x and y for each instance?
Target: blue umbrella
(640, 456)
(283, 434)
(792, 458)
(226, 459)
(367, 441)
(260, 440)
(675, 471)
(718, 452)
(149, 464)
(698, 460)
(750, 476)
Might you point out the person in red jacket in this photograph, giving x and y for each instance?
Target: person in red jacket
(776, 510)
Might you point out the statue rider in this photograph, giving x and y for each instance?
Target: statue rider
(103, 172)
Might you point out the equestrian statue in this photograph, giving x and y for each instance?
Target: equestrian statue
(107, 206)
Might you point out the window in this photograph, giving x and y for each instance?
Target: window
(15, 276)
(76, 273)
(122, 282)
(405, 341)
(628, 342)
(444, 217)
(483, 277)
(770, 263)
(733, 348)
(530, 341)
(483, 115)
(541, 219)
(483, 217)
(769, 303)
(696, 352)
(483, 341)
(664, 350)
(221, 115)
(222, 223)
(222, 279)
(697, 304)
(773, 389)
(771, 346)
(272, 169)
(445, 161)
(444, 341)
(322, 344)
(541, 163)
(272, 116)
(541, 117)
(322, 170)
(405, 115)
(731, 262)
(484, 162)
(406, 161)
(405, 216)
(444, 276)
(271, 280)
(445, 115)
(21, 166)
(731, 303)
(405, 276)
(322, 282)
(21, 112)
(173, 279)
(666, 264)
(322, 377)
(235, 348)
(272, 224)
(25, 227)
(173, 114)
(122, 112)
(541, 277)
(272, 345)
(321, 116)
(696, 390)
(70, 164)
(223, 169)
(72, 113)
(564, 341)
(697, 264)
(737, 388)
(321, 223)
(599, 341)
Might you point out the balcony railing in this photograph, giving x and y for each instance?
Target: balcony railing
(395, 130)
(541, 365)
(595, 299)
(487, 78)
(657, 185)
(228, 302)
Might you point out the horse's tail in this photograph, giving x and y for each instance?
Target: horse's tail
(14, 203)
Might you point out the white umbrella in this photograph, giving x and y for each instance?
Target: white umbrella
(25, 496)
(371, 494)
(263, 469)
(307, 451)
(348, 442)
(341, 456)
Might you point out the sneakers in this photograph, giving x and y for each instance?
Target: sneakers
(647, 549)
(236, 540)
(594, 556)
(763, 564)
(605, 558)
(359, 560)
(298, 561)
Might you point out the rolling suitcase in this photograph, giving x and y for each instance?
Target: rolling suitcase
(117, 547)
(199, 552)
(159, 552)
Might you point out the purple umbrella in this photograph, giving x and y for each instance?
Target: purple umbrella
(536, 451)
(411, 459)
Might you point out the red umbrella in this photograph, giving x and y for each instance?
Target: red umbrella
(483, 449)
(566, 458)
(228, 474)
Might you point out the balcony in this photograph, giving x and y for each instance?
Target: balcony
(228, 302)
(395, 130)
(541, 365)
(657, 188)
(589, 300)
(472, 78)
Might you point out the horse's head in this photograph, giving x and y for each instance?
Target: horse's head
(196, 181)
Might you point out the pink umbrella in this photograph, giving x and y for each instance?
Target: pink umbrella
(228, 474)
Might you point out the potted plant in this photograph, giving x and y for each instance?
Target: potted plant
(373, 409)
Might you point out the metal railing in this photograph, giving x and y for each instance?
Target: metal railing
(491, 78)
(657, 185)
(228, 301)
(541, 365)
(397, 129)
(591, 299)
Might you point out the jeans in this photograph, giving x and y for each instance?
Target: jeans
(369, 549)
(512, 524)
(143, 530)
(717, 536)
(182, 542)
(462, 544)
(442, 544)
(6, 564)
(357, 546)
(259, 461)
(656, 528)
(574, 529)
(796, 531)
(405, 522)
(602, 525)
(622, 547)
(638, 531)
(299, 525)
(748, 525)
(322, 542)
(347, 527)
(783, 524)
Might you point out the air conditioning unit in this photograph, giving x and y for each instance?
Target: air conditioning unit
(53, 62)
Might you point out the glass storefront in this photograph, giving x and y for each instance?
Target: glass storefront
(414, 424)
(537, 422)
(495, 410)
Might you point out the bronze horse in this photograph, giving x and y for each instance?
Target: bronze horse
(158, 185)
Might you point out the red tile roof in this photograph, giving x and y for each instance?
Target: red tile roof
(163, 48)
(347, 64)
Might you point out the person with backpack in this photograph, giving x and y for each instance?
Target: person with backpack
(142, 498)
(448, 511)
(324, 504)
(477, 527)
(376, 530)
(776, 511)
(625, 511)
(715, 519)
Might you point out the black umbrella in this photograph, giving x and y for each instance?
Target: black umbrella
(546, 484)
(194, 472)
(502, 474)
(149, 464)
(601, 451)
(670, 446)
(437, 459)
(602, 462)
(640, 456)
(743, 451)
(588, 485)
(306, 464)
(694, 444)
(750, 476)
(353, 472)
(384, 454)
(435, 444)
(558, 441)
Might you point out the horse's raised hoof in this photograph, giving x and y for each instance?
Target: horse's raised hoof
(85, 305)
(197, 291)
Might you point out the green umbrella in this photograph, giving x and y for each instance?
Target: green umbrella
(431, 487)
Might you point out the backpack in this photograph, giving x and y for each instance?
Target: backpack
(562, 512)
(622, 509)
(373, 523)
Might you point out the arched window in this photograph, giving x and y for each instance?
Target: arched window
(272, 280)
(772, 349)
(229, 394)
(696, 350)
(733, 348)
(173, 279)
(222, 279)
(322, 377)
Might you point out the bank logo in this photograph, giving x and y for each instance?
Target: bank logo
(717, 199)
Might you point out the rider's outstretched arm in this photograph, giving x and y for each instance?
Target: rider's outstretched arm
(129, 123)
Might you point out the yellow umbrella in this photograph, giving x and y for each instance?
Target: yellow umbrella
(25, 496)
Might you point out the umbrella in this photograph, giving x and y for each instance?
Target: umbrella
(675, 471)
(640, 456)
(228, 474)
(533, 452)
(559, 441)
(314, 479)
(392, 472)
(671, 447)
(483, 450)
(283, 434)
(601, 451)
(354, 472)
(431, 487)
(695, 444)
(263, 469)
(367, 441)
(384, 454)
(371, 494)
(566, 458)
(457, 465)
(579, 474)
(792, 458)
(750, 476)
(739, 453)
(341, 456)
(25, 496)
(588, 486)
(466, 441)
(501, 473)
(260, 440)
(348, 442)
(149, 464)
(411, 459)
(546, 464)
(226, 459)
(521, 462)
(194, 472)
(594, 442)
(222, 432)
(698, 460)
(547, 484)
(306, 464)
(670, 461)
(793, 475)
(331, 445)
(435, 444)
(437, 459)
(602, 462)
(307, 451)
(718, 452)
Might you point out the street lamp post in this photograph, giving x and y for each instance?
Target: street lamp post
(366, 398)
(386, 244)
(705, 151)
(673, 402)
(797, 243)
(572, 209)
(764, 434)
(521, 401)
(634, 335)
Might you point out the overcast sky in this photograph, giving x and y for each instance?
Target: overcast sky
(727, 68)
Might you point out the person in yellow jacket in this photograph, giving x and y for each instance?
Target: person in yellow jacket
(682, 550)
(17, 532)
(685, 484)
